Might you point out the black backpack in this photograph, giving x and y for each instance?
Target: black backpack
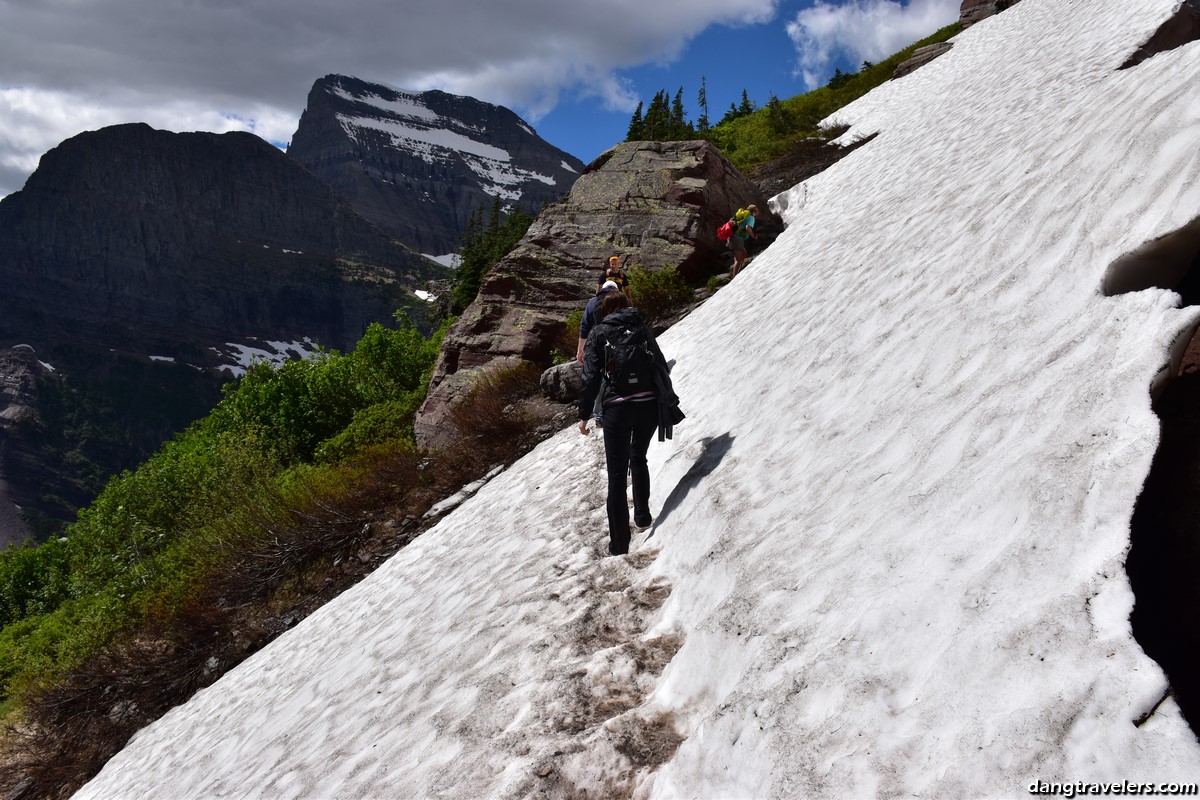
(628, 361)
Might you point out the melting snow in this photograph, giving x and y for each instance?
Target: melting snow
(888, 551)
(450, 260)
(243, 355)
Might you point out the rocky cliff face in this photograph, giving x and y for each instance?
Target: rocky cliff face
(418, 164)
(658, 204)
(17, 401)
(186, 247)
(28, 483)
(127, 234)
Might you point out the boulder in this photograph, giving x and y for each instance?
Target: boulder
(563, 382)
(920, 57)
(971, 11)
(657, 204)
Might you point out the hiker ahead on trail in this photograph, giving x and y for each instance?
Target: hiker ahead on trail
(622, 353)
(743, 229)
(591, 315)
(615, 272)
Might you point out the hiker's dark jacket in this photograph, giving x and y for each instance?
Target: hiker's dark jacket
(593, 370)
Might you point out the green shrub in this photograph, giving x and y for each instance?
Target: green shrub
(33, 580)
(192, 512)
(568, 340)
(658, 293)
(373, 425)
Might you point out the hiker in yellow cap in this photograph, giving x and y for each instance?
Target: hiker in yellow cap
(743, 222)
(616, 273)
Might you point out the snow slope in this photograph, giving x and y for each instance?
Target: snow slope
(888, 553)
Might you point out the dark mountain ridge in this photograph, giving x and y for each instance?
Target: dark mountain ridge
(129, 234)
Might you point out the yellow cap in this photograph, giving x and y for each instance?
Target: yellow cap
(614, 259)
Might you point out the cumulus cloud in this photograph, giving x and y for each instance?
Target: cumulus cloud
(219, 65)
(861, 30)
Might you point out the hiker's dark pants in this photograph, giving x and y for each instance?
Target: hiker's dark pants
(628, 429)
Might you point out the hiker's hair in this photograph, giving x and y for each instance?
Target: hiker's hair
(613, 301)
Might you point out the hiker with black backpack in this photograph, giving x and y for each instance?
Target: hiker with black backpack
(621, 351)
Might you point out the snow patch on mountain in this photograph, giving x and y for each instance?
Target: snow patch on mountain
(426, 141)
(439, 144)
(403, 105)
(241, 356)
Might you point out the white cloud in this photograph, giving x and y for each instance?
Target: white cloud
(33, 121)
(861, 30)
(218, 66)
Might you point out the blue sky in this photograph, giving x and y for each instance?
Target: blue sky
(761, 58)
(758, 58)
(575, 71)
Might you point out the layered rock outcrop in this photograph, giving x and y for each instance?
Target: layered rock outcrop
(129, 234)
(658, 204)
(417, 164)
(920, 57)
(972, 11)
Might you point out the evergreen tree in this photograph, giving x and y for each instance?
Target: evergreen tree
(746, 108)
(702, 103)
(494, 218)
(481, 249)
(637, 128)
(678, 128)
(839, 78)
(778, 118)
(658, 118)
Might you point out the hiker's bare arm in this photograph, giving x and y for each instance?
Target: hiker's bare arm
(583, 427)
(579, 351)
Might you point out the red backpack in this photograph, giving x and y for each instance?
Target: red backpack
(725, 231)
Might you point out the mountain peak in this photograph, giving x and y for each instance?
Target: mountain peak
(418, 164)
